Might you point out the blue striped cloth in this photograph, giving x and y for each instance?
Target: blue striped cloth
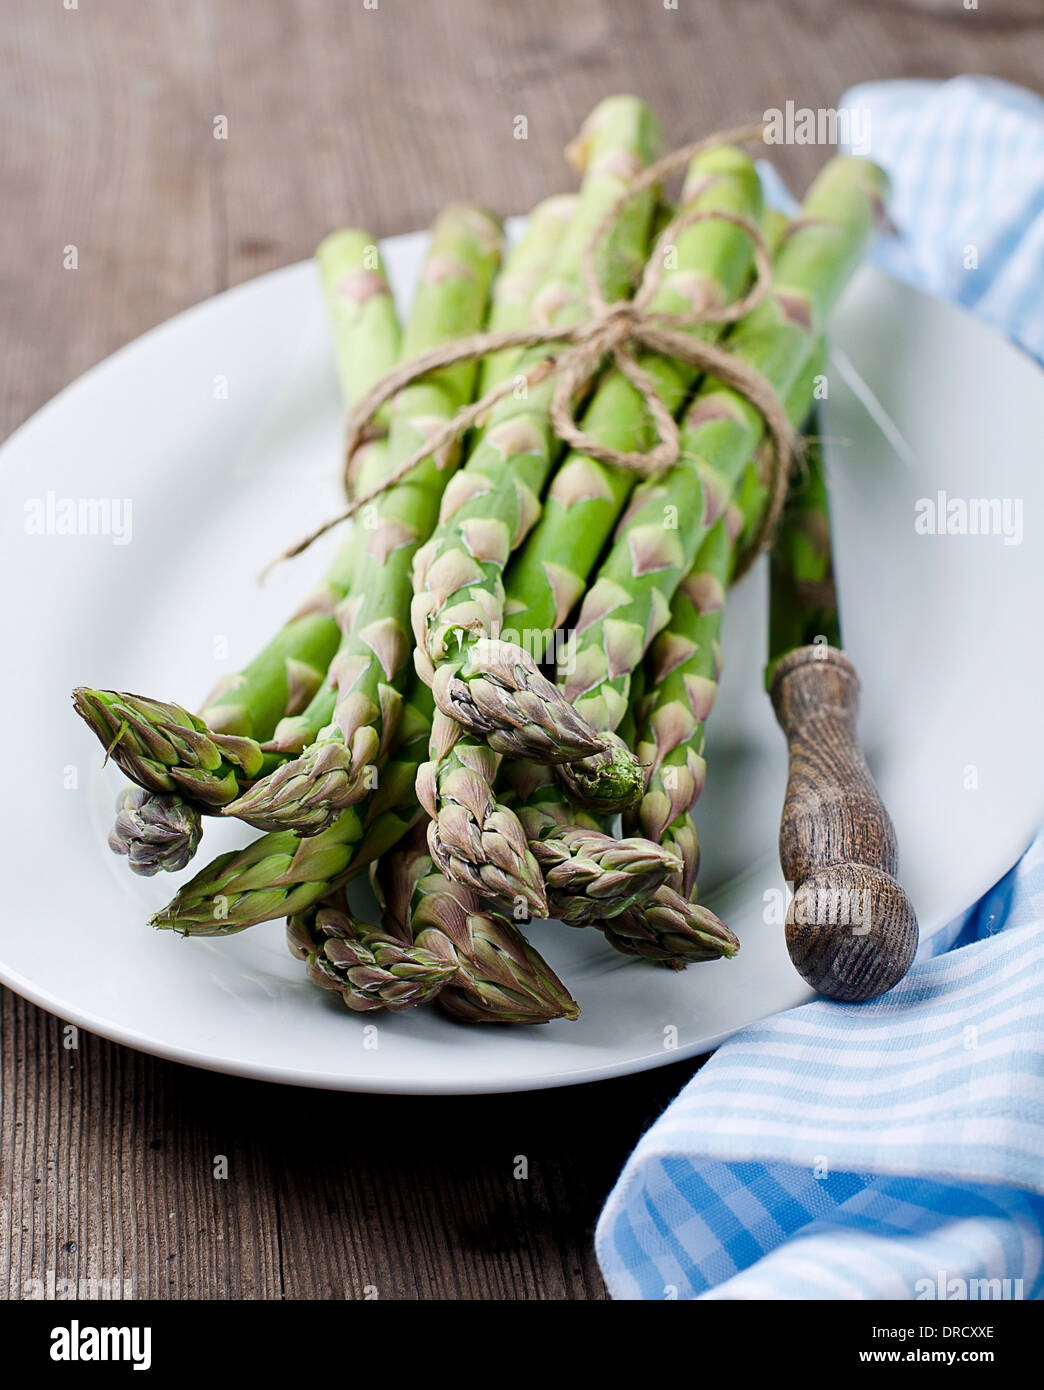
(891, 1150)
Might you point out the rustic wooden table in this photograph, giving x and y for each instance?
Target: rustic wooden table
(374, 111)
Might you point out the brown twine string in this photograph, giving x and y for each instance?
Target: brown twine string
(613, 330)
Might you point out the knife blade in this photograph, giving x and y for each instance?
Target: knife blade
(851, 930)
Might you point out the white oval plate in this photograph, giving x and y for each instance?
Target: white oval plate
(223, 428)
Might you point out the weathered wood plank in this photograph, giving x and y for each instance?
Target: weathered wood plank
(107, 1172)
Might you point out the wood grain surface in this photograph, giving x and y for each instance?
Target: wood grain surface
(338, 112)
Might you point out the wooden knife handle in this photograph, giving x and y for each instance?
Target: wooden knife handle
(851, 930)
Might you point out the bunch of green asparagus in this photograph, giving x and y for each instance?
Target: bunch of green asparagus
(515, 644)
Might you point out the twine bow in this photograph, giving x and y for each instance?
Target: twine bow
(613, 330)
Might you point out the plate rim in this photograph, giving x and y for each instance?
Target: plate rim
(325, 1081)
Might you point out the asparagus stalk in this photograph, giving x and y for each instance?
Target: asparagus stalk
(682, 669)
(369, 967)
(367, 337)
(586, 497)
(169, 751)
(393, 808)
(696, 626)
(209, 757)
(162, 830)
(165, 749)
(526, 268)
(494, 500)
(630, 601)
(338, 768)
(802, 604)
(367, 342)
(500, 977)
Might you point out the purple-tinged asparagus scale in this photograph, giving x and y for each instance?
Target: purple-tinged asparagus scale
(156, 833)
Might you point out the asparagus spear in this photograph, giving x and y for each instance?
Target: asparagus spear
(589, 876)
(500, 977)
(494, 500)
(526, 268)
(699, 600)
(630, 601)
(277, 875)
(156, 833)
(367, 338)
(210, 756)
(671, 931)
(523, 269)
(393, 809)
(369, 967)
(339, 767)
(367, 342)
(682, 668)
(165, 749)
(161, 830)
(586, 497)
